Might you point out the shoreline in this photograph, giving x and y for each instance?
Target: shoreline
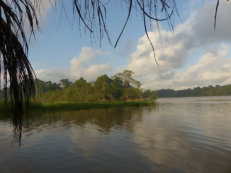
(52, 107)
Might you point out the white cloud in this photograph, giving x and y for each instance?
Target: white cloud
(83, 66)
(54, 75)
(94, 71)
(173, 49)
(87, 65)
(127, 48)
(214, 67)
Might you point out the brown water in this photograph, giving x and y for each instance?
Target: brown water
(178, 135)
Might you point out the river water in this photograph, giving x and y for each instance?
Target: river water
(177, 135)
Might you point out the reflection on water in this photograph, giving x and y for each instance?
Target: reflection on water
(178, 135)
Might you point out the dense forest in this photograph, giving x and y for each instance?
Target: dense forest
(205, 91)
(118, 87)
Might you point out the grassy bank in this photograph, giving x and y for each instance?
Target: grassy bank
(80, 106)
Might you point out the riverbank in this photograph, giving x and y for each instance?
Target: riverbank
(93, 105)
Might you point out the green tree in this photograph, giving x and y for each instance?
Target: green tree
(205, 91)
(82, 91)
(153, 95)
(103, 88)
(42, 87)
(65, 83)
(117, 88)
(126, 77)
(131, 93)
(146, 94)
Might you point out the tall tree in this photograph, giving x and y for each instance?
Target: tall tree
(126, 77)
(65, 83)
(82, 90)
(102, 87)
(117, 88)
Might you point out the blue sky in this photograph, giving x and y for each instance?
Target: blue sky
(194, 54)
(59, 32)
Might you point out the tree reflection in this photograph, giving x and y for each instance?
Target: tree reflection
(16, 117)
(104, 119)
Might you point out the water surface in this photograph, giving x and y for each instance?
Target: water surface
(178, 135)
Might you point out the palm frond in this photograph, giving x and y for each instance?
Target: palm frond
(15, 68)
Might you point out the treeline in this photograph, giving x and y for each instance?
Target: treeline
(117, 88)
(205, 91)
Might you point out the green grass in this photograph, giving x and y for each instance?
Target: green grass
(53, 107)
(80, 106)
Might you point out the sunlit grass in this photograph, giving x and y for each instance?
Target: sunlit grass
(49, 107)
(93, 105)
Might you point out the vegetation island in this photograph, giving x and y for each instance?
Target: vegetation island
(119, 90)
(116, 91)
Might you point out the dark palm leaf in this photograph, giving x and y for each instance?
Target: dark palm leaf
(17, 73)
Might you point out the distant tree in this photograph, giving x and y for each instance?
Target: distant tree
(65, 83)
(42, 87)
(205, 91)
